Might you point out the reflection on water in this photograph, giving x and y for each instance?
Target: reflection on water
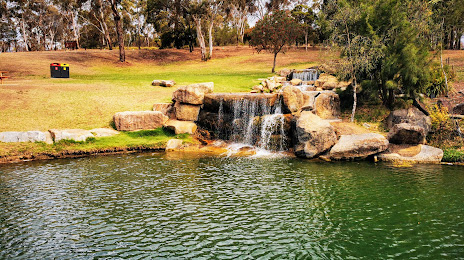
(153, 206)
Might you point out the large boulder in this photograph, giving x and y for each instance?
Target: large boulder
(405, 133)
(193, 94)
(30, 136)
(187, 112)
(139, 120)
(313, 135)
(325, 104)
(411, 116)
(78, 135)
(358, 146)
(181, 127)
(427, 154)
(458, 109)
(293, 98)
(103, 132)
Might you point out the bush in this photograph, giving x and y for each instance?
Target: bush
(437, 85)
(453, 155)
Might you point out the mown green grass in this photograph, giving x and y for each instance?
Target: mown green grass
(147, 139)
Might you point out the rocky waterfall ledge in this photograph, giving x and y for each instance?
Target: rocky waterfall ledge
(303, 122)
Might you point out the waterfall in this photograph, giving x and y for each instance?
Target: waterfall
(306, 75)
(273, 124)
(254, 123)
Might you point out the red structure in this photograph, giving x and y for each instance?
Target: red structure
(72, 45)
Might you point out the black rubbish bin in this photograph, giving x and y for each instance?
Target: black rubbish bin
(65, 70)
(55, 70)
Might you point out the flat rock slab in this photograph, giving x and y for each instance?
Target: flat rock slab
(427, 154)
(181, 127)
(139, 120)
(358, 146)
(103, 132)
(78, 135)
(29, 136)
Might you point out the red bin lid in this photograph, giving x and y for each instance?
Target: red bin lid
(55, 64)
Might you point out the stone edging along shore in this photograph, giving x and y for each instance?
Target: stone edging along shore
(78, 154)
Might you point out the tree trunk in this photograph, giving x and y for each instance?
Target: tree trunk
(119, 31)
(105, 27)
(273, 66)
(355, 99)
(201, 38)
(75, 30)
(23, 29)
(210, 40)
(306, 40)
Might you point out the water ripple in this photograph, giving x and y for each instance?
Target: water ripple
(150, 207)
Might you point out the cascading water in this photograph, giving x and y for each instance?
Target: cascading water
(254, 123)
(306, 75)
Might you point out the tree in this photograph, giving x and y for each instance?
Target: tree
(119, 29)
(305, 16)
(238, 11)
(274, 32)
(385, 44)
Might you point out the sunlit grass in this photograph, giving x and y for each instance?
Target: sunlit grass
(100, 86)
(146, 139)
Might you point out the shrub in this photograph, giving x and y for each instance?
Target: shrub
(453, 155)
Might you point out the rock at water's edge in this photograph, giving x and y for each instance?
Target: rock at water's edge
(358, 146)
(427, 154)
(313, 135)
(173, 144)
(181, 127)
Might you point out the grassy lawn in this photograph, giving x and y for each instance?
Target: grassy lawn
(100, 86)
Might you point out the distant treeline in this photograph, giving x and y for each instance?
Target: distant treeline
(33, 25)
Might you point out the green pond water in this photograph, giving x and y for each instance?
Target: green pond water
(164, 206)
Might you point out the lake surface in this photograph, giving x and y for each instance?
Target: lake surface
(168, 206)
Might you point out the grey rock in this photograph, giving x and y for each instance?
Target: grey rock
(29, 136)
(405, 133)
(78, 135)
(411, 116)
